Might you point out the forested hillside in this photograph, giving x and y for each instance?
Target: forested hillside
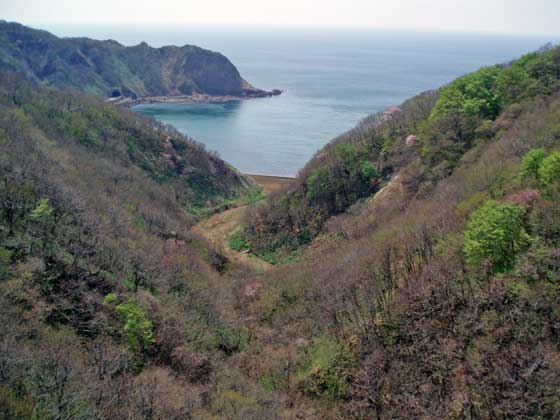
(107, 68)
(99, 272)
(417, 264)
(425, 137)
(433, 290)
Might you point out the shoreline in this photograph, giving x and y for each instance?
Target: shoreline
(276, 177)
(197, 98)
(271, 183)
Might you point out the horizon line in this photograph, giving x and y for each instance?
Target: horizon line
(253, 25)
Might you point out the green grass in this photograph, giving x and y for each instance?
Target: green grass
(244, 198)
(237, 241)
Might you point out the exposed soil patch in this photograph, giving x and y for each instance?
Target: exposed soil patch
(218, 228)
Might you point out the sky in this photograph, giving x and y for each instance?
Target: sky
(502, 16)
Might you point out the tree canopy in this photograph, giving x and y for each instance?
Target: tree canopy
(495, 233)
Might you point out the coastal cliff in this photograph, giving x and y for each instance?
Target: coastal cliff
(110, 69)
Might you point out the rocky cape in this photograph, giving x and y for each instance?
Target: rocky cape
(196, 98)
(128, 75)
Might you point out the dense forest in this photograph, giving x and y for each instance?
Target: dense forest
(416, 263)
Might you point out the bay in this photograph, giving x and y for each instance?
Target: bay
(332, 78)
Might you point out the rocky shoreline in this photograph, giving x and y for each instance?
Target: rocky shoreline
(193, 99)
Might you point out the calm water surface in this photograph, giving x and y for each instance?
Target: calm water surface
(332, 77)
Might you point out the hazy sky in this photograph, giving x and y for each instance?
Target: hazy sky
(517, 16)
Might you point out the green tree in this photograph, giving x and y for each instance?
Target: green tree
(347, 178)
(318, 184)
(471, 95)
(495, 233)
(531, 164)
(514, 82)
(44, 225)
(368, 172)
(137, 327)
(549, 171)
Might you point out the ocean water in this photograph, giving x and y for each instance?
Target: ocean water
(332, 78)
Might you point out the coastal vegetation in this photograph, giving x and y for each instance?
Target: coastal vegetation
(417, 263)
(449, 294)
(440, 128)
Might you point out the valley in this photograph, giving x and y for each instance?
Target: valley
(218, 228)
(410, 270)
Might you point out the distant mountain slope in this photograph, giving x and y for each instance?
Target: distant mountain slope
(108, 68)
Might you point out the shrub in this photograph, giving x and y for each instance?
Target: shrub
(236, 404)
(138, 329)
(326, 368)
(495, 233)
(349, 177)
(110, 299)
(318, 184)
(194, 367)
(43, 211)
(540, 262)
(14, 406)
(231, 340)
(544, 220)
(271, 381)
(238, 242)
(369, 173)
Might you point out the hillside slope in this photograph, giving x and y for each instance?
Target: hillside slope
(107, 68)
(99, 272)
(427, 135)
(438, 297)
(417, 264)
(439, 305)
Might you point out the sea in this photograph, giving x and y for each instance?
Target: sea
(331, 77)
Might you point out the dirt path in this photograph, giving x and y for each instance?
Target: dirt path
(218, 228)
